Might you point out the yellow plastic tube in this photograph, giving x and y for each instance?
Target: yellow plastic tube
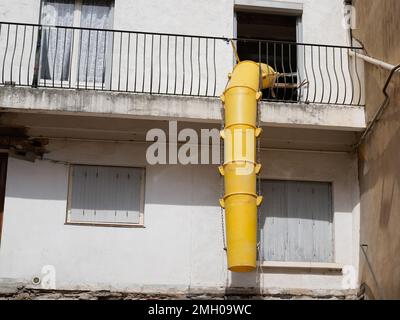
(240, 168)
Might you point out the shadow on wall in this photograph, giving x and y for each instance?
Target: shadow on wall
(41, 180)
(244, 284)
(249, 284)
(189, 185)
(379, 162)
(380, 201)
(166, 185)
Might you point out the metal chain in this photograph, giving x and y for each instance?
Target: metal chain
(258, 159)
(259, 191)
(223, 229)
(221, 157)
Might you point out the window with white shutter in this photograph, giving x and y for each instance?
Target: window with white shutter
(296, 221)
(106, 195)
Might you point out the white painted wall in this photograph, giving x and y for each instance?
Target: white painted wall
(20, 11)
(210, 18)
(181, 245)
(180, 248)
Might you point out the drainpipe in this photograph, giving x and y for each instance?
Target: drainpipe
(381, 109)
(373, 61)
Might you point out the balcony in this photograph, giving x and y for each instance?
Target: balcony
(80, 83)
(64, 71)
(170, 64)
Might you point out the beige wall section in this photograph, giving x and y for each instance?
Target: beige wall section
(378, 29)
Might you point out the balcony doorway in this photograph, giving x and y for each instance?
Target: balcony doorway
(71, 54)
(278, 34)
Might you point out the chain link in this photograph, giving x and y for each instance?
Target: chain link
(221, 157)
(259, 267)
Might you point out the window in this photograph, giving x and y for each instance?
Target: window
(106, 195)
(74, 54)
(278, 50)
(296, 221)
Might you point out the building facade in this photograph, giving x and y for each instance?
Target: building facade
(83, 83)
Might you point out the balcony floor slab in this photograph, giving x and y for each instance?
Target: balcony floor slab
(181, 108)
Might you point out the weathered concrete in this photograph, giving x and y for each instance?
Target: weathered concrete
(9, 286)
(378, 29)
(40, 294)
(145, 106)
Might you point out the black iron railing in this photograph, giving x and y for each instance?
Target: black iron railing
(171, 64)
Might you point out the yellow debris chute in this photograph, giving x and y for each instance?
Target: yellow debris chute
(240, 169)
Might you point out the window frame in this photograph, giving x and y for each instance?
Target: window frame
(141, 223)
(300, 264)
(281, 10)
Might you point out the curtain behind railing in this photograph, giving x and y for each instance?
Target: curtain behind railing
(96, 46)
(56, 44)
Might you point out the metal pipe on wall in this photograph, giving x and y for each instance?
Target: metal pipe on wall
(240, 168)
(373, 61)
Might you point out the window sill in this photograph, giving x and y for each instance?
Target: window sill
(114, 225)
(317, 266)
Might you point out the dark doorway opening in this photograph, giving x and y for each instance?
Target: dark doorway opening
(277, 47)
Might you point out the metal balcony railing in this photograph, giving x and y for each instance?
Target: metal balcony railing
(170, 64)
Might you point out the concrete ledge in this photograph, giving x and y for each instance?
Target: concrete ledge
(30, 294)
(24, 291)
(303, 266)
(10, 286)
(270, 6)
(181, 108)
